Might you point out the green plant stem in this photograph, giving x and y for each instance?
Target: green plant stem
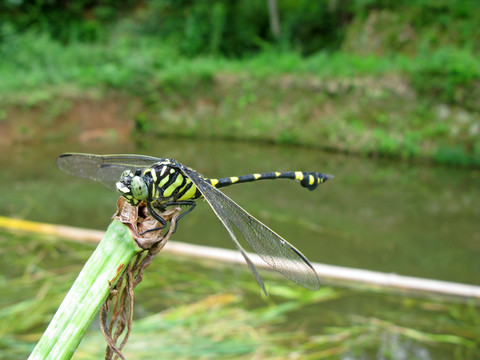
(87, 294)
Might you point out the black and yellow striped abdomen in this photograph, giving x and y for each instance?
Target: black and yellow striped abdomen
(169, 183)
(310, 180)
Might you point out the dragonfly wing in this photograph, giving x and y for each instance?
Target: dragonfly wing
(105, 169)
(272, 248)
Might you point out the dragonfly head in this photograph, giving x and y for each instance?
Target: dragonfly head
(132, 187)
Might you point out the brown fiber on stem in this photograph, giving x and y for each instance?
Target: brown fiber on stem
(138, 220)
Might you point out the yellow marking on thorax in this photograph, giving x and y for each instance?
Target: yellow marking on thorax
(178, 181)
(187, 182)
(153, 173)
(164, 181)
(277, 174)
(214, 182)
(311, 179)
(298, 175)
(189, 194)
(257, 176)
(234, 179)
(163, 170)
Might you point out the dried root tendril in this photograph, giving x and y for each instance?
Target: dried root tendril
(120, 301)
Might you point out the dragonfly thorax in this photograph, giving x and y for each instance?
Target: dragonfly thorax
(132, 187)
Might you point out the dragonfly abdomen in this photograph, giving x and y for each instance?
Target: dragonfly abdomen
(310, 180)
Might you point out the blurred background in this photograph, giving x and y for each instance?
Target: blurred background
(382, 94)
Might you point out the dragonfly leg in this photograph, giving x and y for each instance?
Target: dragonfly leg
(191, 205)
(157, 217)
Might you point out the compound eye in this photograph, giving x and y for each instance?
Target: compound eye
(139, 188)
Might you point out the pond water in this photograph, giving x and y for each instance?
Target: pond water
(387, 216)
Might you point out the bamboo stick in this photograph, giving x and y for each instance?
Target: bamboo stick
(327, 273)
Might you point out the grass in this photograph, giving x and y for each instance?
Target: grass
(189, 310)
(400, 107)
(125, 62)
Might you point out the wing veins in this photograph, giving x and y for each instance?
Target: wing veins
(271, 247)
(105, 169)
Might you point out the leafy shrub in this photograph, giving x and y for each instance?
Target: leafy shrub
(452, 156)
(80, 20)
(242, 27)
(449, 74)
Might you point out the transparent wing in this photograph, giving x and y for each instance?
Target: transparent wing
(271, 247)
(103, 168)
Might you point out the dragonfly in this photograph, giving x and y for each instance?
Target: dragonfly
(162, 182)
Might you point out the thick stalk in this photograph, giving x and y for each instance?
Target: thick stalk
(87, 294)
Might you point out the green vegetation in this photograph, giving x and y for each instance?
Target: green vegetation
(398, 79)
(188, 310)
